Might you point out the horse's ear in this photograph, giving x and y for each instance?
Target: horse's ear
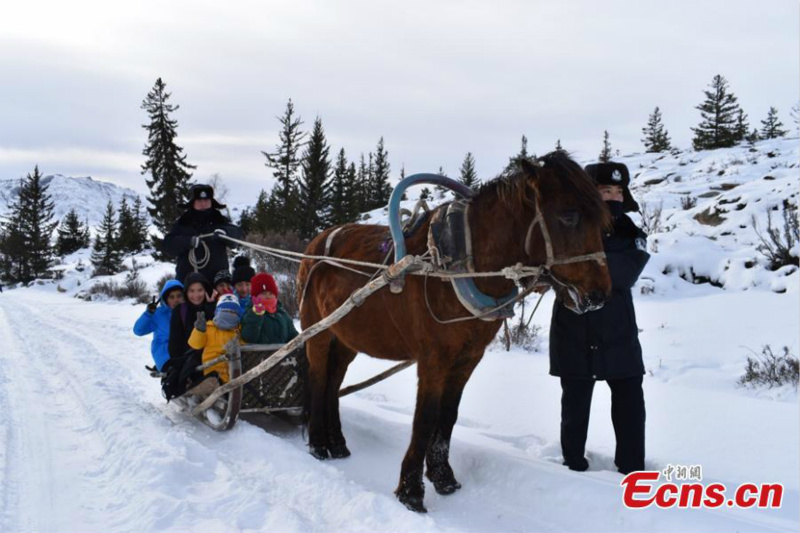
(530, 168)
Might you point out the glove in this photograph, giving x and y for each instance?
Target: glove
(200, 323)
(195, 241)
(153, 305)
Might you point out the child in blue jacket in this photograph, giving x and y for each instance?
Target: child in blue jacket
(156, 319)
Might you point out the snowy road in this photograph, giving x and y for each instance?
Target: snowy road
(88, 444)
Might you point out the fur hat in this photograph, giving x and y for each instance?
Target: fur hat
(196, 277)
(222, 276)
(201, 191)
(242, 271)
(263, 282)
(611, 173)
(226, 314)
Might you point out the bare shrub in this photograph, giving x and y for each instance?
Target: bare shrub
(651, 217)
(769, 369)
(779, 243)
(688, 202)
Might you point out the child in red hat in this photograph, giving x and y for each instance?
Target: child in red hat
(266, 322)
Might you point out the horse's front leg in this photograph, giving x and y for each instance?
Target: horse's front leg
(411, 489)
(437, 459)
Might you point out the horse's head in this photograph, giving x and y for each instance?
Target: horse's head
(565, 218)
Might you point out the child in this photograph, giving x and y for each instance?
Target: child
(155, 320)
(604, 344)
(266, 322)
(242, 274)
(211, 336)
(222, 283)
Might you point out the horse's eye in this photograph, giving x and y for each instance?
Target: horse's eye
(569, 218)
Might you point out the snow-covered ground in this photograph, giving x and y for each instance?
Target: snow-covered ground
(88, 444)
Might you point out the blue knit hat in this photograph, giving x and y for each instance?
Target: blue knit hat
(226, 315)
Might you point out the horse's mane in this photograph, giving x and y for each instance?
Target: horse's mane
(511, 186)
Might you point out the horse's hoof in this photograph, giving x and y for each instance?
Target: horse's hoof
(447, 488)
(412, 503)
(412, 499)
(444, 484)
(339, 451)
(319, 452)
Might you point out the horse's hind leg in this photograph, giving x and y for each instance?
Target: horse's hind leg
(317, 350)
(340, 358)
(437, 458)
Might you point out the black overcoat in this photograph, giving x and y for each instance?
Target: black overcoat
(604, 344)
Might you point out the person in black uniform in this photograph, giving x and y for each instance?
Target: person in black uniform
(603, 345)
(202, 217)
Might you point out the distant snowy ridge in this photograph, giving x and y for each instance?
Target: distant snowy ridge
(86, 195)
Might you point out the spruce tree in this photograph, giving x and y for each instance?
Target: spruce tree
(351, 185)
(559, 148)
(656, 138)
(514, 160)
(753, 137)
(166, 163)
(140, 225)
(340, 193)
(742, 128)
(605, 153)
(106, 257)
(468, 175)
(285, 162)
(795, 114)
(314, 196)
(771, 126)
(73, 235)
(361, 192)
(125, 222)
(381, 189)
(26, 246)
(719, 111)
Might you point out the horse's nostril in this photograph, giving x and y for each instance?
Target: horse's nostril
(596, 297)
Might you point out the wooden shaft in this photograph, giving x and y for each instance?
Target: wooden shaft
(355, 299)
(375, 379)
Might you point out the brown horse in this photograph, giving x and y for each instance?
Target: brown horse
(400, 327)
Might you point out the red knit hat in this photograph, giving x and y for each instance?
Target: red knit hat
(263, 282)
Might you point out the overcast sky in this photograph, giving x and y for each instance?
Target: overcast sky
(436, 79)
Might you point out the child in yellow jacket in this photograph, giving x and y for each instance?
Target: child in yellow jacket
(211, 336)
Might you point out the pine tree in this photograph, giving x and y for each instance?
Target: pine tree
(106, 257)
(795, 114)
(719, 111)
(73, 235)
(26, 245)
(523, 154)
(125, 223)
(361, 191)
(605, 153)
(140, 227)
(314, 194)
(285, 162)
(381, 189)
(742, 128)
(468, 175)
(166, 163)
(753, 137)
(339, 200)
(656, 138)
(559, 148)
(771, 126)
(351, 185)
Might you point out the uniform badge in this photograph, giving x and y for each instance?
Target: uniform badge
(616, 176)
(203, 194)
